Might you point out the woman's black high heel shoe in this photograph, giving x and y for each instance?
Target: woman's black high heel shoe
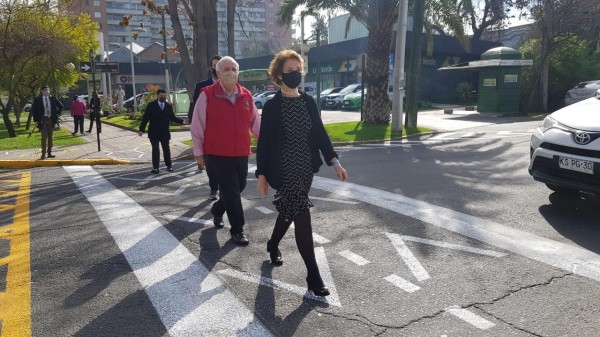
(320, 290)
(275, 254)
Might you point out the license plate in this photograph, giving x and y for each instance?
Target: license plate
(576, 165)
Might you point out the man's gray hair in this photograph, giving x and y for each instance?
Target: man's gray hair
(227, 58)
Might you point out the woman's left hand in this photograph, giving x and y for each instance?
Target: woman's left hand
(341, 173)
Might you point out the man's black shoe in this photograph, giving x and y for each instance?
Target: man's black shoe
(170, 169)
(214, 195)
(155, 171)
(218, 221)
(240, 239)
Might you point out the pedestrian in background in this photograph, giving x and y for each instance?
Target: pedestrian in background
(212, 180)
(45, 111)
(288, 154)
(120, 93)
(95, 109)
(223, 118)
(78, 113)
(158, 114)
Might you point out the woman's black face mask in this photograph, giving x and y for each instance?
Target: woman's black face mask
(292, 79)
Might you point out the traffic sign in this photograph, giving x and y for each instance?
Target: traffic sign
(107, 67)
(85, 67)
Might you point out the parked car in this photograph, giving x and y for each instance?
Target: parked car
(334, 101)
(27, 107)
(326, 92)
(311, 91)
(261, 97)
(353, 101)
(565, 149)
(128, 103)
(581, 91)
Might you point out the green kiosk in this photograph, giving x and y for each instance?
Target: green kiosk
(499, 79)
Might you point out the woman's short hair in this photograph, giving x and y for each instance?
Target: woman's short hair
(276, 66)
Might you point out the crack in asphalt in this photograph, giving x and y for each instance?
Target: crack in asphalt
(364, 320)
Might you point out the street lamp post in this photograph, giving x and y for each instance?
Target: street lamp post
(164, 10)
(96, 115)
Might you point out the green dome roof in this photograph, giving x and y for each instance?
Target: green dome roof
(503, 53)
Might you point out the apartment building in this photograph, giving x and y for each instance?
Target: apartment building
(256, 32)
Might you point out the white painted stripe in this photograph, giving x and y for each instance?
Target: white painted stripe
(411, 261)
(469, 135)
(150, 192)
(557, 254)
(187, 219)
(316, 237)
(442, 135)
(402, 283)
(336, 200)
(271, 283)
(124, 178)
(454, 246)
(264, 210)
(357, 259)
(189, 300)
(185, 186)
(469, 317)
(504, 132)
(333, 298)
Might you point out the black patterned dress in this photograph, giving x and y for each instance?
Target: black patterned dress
(291, 198)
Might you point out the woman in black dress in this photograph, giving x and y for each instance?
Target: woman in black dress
(291, 139)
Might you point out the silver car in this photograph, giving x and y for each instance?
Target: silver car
(261, 98)
(581, 91)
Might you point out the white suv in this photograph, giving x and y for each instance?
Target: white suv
(565, 149)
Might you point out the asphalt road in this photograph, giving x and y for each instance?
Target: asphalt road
(444, 235)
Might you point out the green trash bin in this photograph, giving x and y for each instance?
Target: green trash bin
(181, 103)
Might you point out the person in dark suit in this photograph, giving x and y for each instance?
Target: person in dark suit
(212, 180)
(158, 114)
(45, 111)
(95, 110)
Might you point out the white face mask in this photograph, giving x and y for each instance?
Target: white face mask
(229, 77)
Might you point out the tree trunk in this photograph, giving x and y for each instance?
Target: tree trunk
(182, 47)
(8, 123)
(230, 27)
(414, 70)
(377, 105)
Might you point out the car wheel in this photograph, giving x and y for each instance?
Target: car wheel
(561, 190)
(258, 105)
(27, 109)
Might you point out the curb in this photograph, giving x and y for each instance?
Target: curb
(21, 164)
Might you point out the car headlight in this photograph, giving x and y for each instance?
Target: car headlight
(551, 123)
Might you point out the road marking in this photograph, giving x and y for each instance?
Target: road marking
(357, 259)
(402, 283)
(557, 254)
(264, 210)
(15, 301)
(454, 246)
(326, 276)
(316, 237)
(469, 317)
(189, 300)
(335, 200)
(411, 261)
(442, 135)
(187, 219)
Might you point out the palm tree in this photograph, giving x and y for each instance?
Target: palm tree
(378, 16)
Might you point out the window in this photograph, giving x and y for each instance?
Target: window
(97, 15)
(96, 3)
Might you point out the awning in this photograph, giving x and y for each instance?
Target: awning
(476, 65)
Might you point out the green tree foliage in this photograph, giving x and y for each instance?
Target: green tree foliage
(36, 42)
(570, 64)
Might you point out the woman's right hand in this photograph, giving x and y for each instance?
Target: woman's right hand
(263, 186)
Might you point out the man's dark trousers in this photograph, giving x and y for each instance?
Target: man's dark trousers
(213, 183)
(231, 174)
(156, 152)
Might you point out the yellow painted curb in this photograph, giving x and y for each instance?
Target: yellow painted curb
(20, 164)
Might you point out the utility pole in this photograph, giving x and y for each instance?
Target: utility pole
(399, 59)
(97, 115)
(167, 67)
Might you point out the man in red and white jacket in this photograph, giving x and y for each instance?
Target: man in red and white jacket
(223, 118)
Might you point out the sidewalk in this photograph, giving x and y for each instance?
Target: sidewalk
(120, 146)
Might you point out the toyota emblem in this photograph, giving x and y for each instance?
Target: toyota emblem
(582, 138)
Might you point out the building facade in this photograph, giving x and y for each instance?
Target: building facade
(256, 31)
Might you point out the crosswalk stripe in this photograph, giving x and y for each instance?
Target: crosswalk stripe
(316, 237)
(355, 258)
(402, 283)
(189, 300)
(469, 317)
(411, 261)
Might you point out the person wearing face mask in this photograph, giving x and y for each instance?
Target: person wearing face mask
(158, 114)
(223, 118)
(212, 180)
(45, 111)
(288, 154)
